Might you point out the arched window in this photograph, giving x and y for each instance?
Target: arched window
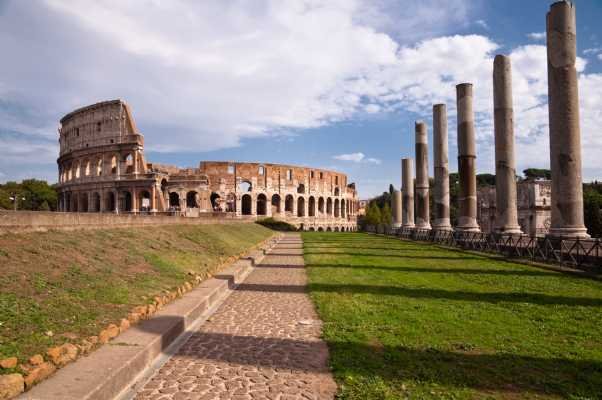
(114, 165)
(110, 202)
(301, 188)
(246, 206)
(245, 186)
(191, 201)
(329, 206)
(337, 208)
(276, 204)
(321, 205)
(99, 167)
(126, 201)
(215, 202)
(300, 207)
(311, 207)
(95, 202)
(174, 200)
(129, 164)
(289, 203)
(261, 204)
(144, 200)
(87, 169)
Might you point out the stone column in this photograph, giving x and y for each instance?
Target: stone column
(441, 163)
(506, 218)
(467, 218)
(565, 134)
(396, 208)
(422, 177)
(407, 187)
(154, 198)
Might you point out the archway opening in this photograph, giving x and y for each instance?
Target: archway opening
(74, 202)
(246, 207)
(342, 208)
(320, 229)
(191, 199)
(329, 206)
(289, 203)
(301, 188)
(129, 164)
(83, 202)
(321, 206)
(276, 204)
(245, 186)
(144, 201)
(337, 208)
(126, 201)
(174, 200)
(110, 202)
(95, 202)
(215, 202)
(231, 202)
(328, 229)
(300, 207)
(311, 211)
(262, 201)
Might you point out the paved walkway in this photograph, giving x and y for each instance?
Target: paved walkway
(262, 343)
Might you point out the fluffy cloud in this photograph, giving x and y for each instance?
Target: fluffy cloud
(536, 35)
(357, 157)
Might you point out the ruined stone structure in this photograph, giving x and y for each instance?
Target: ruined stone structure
(533, 204)
(396, 209)
(565, 133)
(505, 170)
(407, 189)
(422, 177)
(442, 220)
(467, 156)
(102, 169)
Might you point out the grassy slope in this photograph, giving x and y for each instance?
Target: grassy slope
(408, 320)
(78, 282)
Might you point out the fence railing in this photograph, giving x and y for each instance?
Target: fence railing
(585, 254)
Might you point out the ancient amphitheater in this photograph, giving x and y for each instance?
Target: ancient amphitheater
(102, 169)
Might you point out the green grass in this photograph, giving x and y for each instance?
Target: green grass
(76, 283)
(412, 320)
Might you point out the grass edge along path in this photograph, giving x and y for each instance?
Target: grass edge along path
(412, 320)
(62, 287)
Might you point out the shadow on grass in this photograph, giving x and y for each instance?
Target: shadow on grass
(468, 271)
(381, 255)
(498, 373)
(433, 294)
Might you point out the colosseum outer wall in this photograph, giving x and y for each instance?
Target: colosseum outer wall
(102, 169)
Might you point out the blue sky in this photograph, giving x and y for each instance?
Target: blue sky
(334, 84)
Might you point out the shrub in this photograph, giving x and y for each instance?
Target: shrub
(277, 225)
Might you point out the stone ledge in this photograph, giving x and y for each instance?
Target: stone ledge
(110, 370)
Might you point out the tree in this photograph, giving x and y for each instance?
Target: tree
(373, 216)
(537, 173)
(592, 210)
(391, 189)
(485, 180)
(385, 215)
(38, 194)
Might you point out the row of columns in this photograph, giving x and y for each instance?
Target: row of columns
(565, 147)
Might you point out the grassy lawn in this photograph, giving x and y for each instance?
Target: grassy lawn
(76, 283)
(410, 320)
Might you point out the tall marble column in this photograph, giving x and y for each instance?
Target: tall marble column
(467, 217)
(506, 218)
(396, 207)
(441, 189)
(422, 177)
(565, 134)
(407, 188)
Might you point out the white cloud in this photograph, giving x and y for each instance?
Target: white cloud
(356, 157)
(482, 23)
(537, 36)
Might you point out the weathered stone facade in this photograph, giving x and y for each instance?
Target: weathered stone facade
(102, 168)
(534, 207)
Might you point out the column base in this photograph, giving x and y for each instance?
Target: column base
(443, 228)
(396, 225)
(468, 229)
(423, 226)
(569, 233)
(408, 226)
(509, 230)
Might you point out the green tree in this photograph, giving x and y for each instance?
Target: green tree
(373, 216)
(38, 194)
(385, 215)
(537, 173)
(485, 180)
(592, 210)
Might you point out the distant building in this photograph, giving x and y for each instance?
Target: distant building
(362, 205)
(534, 211)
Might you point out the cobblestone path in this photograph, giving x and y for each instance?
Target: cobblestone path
(262, 343)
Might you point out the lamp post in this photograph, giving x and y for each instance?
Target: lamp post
(15, 199)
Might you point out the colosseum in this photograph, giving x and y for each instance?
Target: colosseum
(102, 169)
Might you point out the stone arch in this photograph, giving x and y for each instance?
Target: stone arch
(301, 188)
(77, 170)
(110, 202)
(262, 206)
(311, 211)
(87, 168)
(311, 229)
(337, 191)
(276, 204)
(336, 228)
(129, 163)
(289, 203)
(125, 200)
(245, 186)
(300, 206)
(114, 165)
(328, 229)
(74, 202)
(144, 200)
(83, 202)
(95, 202)
(246, 204)
(99, 167)
(321, 206)
(320, 229)
(231, 202)
(174, 200)
(215, 201)
(329, 206)
(337, 208)
(342, 208)
(191, 199)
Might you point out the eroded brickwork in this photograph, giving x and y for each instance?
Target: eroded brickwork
(102, 169)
